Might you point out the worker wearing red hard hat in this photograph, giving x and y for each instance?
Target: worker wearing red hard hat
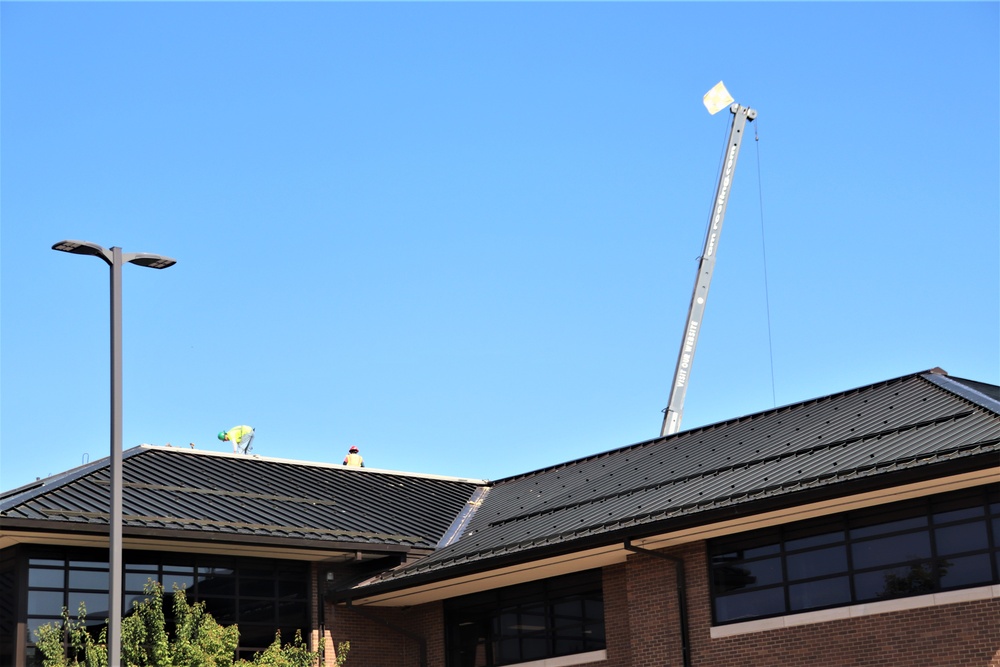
(353, 459)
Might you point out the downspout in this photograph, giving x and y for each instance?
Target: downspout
(395, 628)
(681, 595)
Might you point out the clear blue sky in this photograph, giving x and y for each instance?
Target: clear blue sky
(463, 236)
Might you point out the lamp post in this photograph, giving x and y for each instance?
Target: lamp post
(115, 259)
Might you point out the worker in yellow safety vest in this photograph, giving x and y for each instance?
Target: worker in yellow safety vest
(353, 459)
(240, 436)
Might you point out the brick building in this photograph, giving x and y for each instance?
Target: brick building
(861, 528)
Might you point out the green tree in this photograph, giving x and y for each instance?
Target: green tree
(84, 648)
(198, 641)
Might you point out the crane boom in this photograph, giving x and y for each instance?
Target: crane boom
(706, 266)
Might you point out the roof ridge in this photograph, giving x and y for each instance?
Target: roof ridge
(707, 427)
(843, 442)
(311, 464)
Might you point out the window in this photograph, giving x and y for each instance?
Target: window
(260, 595)
(543, 619)
(914, 547)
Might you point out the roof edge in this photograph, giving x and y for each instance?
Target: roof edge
(959, 388)
(313, 464)
(849, 487)
(935, 372)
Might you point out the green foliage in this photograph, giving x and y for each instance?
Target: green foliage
(342, 649)
(199, 640)
(84, 649)
(295, 654)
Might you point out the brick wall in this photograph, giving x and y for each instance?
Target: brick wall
(957, 635)
(642, 625)
(617, 629)
(386, 637)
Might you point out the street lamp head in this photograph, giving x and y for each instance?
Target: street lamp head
(139, 258)
(151, 261)
(82, 248)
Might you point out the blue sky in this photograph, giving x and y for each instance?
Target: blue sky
(463, 236)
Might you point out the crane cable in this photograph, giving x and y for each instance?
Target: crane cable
(763, 248)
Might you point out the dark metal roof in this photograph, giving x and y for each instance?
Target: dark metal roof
(206, 495)
(915, 428)
(860, 439)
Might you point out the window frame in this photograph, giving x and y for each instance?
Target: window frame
(885, 552)
(527, 622)
(289, 583)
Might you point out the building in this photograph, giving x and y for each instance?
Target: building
(861, 528)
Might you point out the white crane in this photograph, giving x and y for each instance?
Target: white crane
(715, 100)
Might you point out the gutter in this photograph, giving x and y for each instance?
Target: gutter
(681, 594)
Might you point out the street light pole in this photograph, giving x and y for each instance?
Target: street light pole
(115, 259)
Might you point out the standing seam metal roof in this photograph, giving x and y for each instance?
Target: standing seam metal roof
(912, 422)
(224, 494)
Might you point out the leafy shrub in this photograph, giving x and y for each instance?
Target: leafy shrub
(198, 641)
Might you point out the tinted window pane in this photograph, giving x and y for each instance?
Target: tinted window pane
(264, 569)
(822, 593)
(38, 578)
(45, 603)
(257, 587)
(765, 550)
(532, 619)
(749, 605)
(966, 571)
(293, 613)
(509, 651)
(135, 582)
(180, 581)
(141, 567)
(256, 636)
(894, 549)
(222, 609)
(594, 607)
(762, 543)
(814, 541)
(534, 648)
(216, 585)
(256, 611)
(96, 603)
(568, 645)
(816, 563)
(594, 635)
(959, 507)
(35, 623)
(874, 527)
(89, 579)
(296, 588)
(961, 537)
(896, 582)
(567, 611)
(813, 536)
(131, 599)
(89, 564)
(747, 575)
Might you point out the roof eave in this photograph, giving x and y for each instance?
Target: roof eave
(961, 468)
